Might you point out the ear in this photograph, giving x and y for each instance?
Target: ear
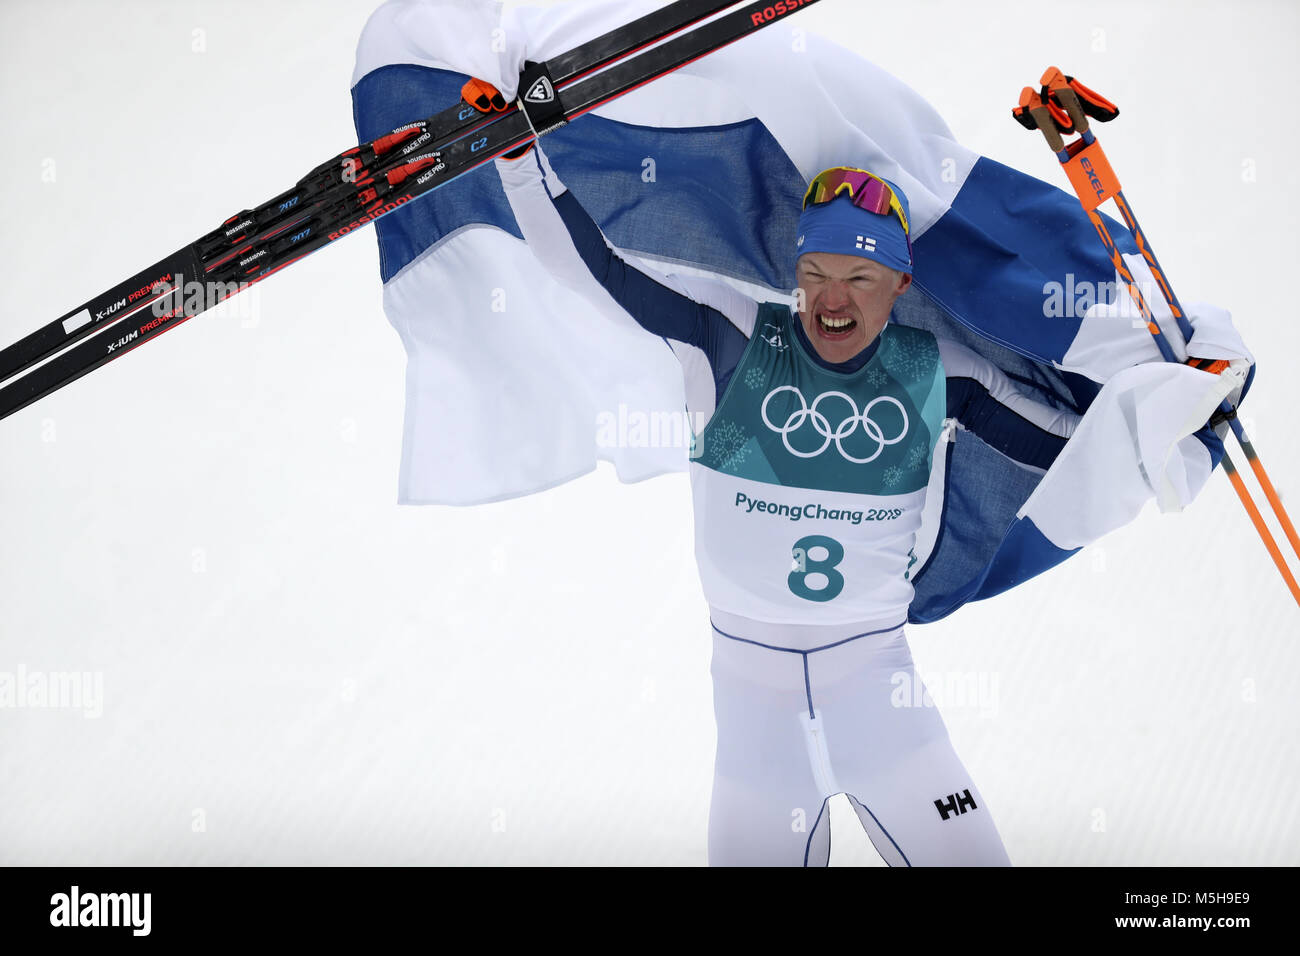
(904, 282)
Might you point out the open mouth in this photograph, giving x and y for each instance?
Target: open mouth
(834, 326)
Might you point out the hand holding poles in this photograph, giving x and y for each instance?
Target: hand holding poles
(1063, 105)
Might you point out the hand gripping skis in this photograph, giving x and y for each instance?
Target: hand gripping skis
(1062, 105)
(369, 182)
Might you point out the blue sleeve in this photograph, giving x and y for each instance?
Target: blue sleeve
(655, 307)
(999, 426)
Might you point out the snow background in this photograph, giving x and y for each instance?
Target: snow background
(297, 670)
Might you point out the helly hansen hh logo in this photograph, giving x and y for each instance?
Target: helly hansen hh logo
(955, 805)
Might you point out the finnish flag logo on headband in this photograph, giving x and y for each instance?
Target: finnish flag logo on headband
(836, 227)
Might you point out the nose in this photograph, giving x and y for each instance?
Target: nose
(836, 295)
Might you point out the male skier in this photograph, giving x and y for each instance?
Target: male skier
(808, 479)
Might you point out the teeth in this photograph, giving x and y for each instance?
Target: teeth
(834, 323)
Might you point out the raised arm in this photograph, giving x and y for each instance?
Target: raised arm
(707, 314)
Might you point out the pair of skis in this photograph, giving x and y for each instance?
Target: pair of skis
(366, 183)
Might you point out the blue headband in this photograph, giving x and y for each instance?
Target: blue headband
(839, 226)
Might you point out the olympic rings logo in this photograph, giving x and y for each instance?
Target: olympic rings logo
(822, 425)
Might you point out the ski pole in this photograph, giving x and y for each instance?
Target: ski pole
(1094, 181)
(1055, 80)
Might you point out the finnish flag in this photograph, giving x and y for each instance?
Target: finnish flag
(703, 172)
